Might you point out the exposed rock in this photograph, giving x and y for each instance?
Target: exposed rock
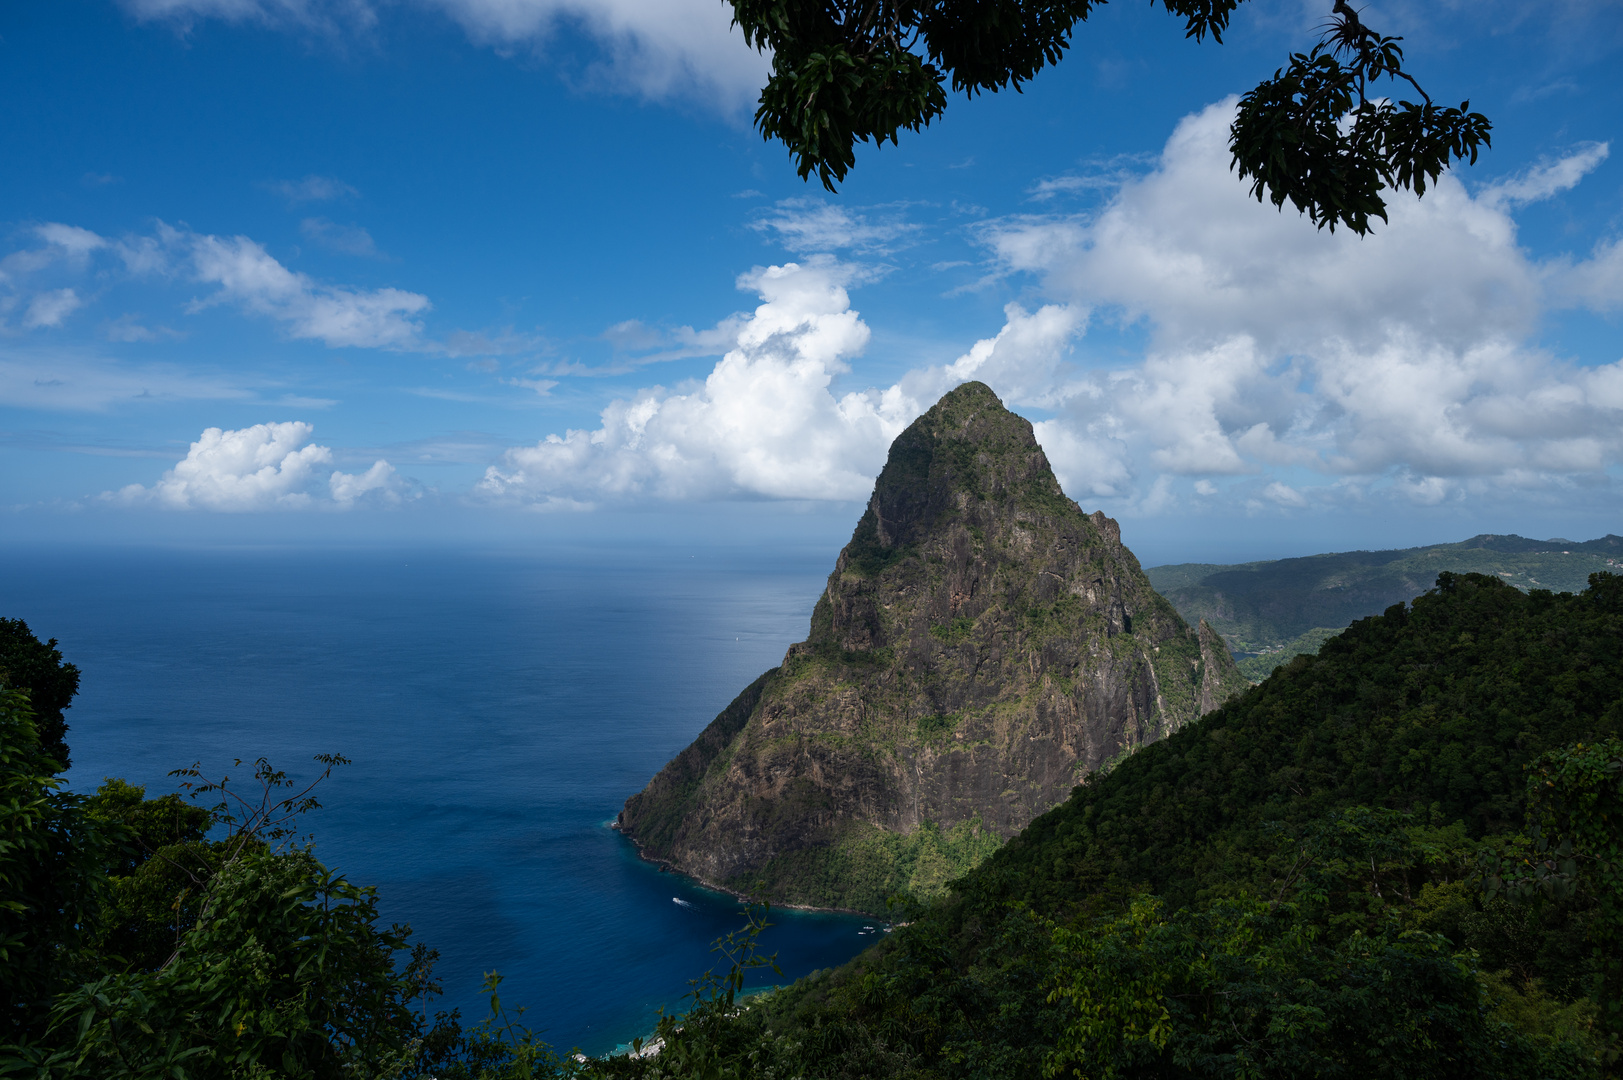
(981, 645)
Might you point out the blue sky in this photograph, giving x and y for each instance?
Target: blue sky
(368, 271)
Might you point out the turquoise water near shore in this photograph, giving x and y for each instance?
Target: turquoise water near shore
(499, 708)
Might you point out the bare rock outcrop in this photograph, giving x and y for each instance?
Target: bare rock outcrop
(982, 645)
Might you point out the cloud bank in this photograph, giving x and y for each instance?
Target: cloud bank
(764, 423)
(263, 467)
(1285, 367)
(1399, 361)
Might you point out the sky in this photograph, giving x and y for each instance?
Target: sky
(521, 271)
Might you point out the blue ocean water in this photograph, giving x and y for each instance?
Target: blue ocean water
(499, 707)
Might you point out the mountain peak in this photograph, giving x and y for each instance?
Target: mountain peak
(968, 446)
(981, 645)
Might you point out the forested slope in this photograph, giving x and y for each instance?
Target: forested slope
(1335, 874)
(1434, 710)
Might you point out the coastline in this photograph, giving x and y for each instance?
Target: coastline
(670, 867)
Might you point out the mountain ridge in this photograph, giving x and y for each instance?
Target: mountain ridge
(1271, 610)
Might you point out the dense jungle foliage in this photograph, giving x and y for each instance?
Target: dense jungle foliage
(1398, 858)
(1336, 874)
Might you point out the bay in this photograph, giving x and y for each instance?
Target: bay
(498, 706)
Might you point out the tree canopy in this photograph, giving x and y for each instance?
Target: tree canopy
(28, 664)
(1319, 133)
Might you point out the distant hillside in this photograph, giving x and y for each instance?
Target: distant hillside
(1271, 611)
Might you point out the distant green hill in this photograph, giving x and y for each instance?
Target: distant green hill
(1271, 611)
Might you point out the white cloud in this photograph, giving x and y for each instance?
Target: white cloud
(347, 488)
(71, 239)
(1595, 283)
(809, 226)
(344, 239)
(655, 50)
(1188, 249)
(327, 16)
(59, 244)
(637, 345)
(1401, 363)
(765, 422)
(1025, 362)
(1106, 175)
(1400, 359)
(313, 188)
(50, 308)
(1284, 495)
(263, 467)
(250, 277)
(1547, 178)
(129, 328)
(243, 272)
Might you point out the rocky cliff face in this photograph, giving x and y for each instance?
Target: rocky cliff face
(981, 645)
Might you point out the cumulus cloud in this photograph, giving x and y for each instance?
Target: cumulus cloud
(1595, 283)
(1186, 248)
(1402, 359)
(1026, 362)
(766, 421)
(263, 467)
(1299, 367)
(655, 50)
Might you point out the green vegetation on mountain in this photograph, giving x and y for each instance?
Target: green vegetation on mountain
(1401, 857)
(982, 644)
(1271, 611)
(1338, 873)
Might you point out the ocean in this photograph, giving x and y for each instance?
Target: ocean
(498, 706)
